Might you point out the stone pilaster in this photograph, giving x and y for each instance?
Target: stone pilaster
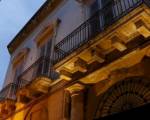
(77, 106)
(76, 101)
(66, 107)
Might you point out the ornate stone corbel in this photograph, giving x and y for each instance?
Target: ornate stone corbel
(142, 28)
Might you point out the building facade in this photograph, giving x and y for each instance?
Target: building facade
(79, 60)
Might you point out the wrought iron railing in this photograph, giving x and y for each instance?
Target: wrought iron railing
(99, 22)
(8, 92)
(41, 67)
(104, 17)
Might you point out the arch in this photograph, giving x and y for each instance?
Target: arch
(127, 94)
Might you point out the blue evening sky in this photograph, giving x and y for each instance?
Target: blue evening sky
(13, 16)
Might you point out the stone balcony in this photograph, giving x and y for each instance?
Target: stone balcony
(7, 99)
(95, 43)
(38, 77)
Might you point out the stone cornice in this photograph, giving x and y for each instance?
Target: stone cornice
(42, 13)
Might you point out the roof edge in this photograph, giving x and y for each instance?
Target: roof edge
(35, 20)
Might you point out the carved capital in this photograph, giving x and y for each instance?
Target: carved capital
(148, 52)
(76, 88)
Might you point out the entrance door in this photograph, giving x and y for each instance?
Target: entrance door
(123, 98)
(141, 113)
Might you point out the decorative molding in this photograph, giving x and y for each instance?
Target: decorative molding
(139, 69)
(125, 95)
(75, 88)
(19, 58)
(44, 35)
(86, 2)
(47, 33)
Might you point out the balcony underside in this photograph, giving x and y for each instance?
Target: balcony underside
(7, 107)
(41, 84)
(112, 49)
(37, 87)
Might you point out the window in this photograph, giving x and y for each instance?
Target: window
(45, 35)
(94, 6)
(18, 63)
(44, 43)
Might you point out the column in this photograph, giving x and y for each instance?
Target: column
(76, 92)
(77, 106)
(66, 106)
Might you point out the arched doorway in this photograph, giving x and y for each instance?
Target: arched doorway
(124, 95)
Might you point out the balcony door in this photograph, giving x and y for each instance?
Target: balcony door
(113, 9)
(18, 71)
(103, 17)
(94, 6)
(107, 12)
(95, 21)
(44, 63)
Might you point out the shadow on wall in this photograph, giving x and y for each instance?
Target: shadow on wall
(141, 113)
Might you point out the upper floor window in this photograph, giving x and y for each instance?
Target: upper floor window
(45, 35)
(44, 38)
(94, 6)
(19, 61)
(45, 42)
(19, 58)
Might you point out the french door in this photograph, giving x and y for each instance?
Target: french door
(44, 63)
